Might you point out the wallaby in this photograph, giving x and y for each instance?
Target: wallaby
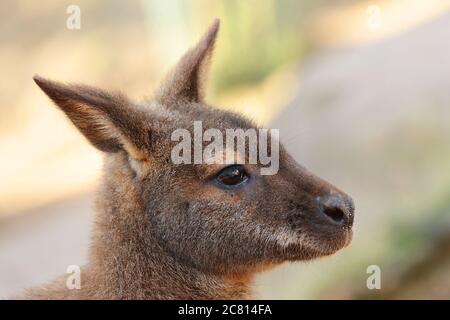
(188, 231)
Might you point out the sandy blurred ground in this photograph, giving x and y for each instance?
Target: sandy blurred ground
(37, 246)
(373, 117)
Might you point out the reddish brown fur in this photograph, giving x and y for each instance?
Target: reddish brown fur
(165, 231)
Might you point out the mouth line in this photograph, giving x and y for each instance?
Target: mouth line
(321, 248)
(298, 219)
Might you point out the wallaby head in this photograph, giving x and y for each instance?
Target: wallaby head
(226, 220)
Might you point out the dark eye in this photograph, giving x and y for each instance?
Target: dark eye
(232, 176)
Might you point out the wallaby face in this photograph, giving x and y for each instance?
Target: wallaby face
(220, 219)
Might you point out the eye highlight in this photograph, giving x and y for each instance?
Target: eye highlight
(232, 176)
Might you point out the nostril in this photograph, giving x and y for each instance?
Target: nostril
(336, 209)
(335, 213)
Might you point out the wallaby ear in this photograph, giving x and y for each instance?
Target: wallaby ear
(106, 120)
(187, 80)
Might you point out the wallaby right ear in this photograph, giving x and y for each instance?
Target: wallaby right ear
(186, 82)
(105, 119)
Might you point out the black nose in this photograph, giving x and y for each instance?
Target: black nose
(338, 209)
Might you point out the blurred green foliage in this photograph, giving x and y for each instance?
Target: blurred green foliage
(275, 29)
(272, 28)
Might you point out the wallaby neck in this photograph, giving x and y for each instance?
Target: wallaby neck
(127, 262)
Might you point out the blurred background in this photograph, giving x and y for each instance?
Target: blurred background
(360, 91)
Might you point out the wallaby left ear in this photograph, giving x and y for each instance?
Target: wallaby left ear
(109, 121)
(187, 80)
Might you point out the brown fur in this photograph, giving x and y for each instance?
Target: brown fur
(165, 231)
